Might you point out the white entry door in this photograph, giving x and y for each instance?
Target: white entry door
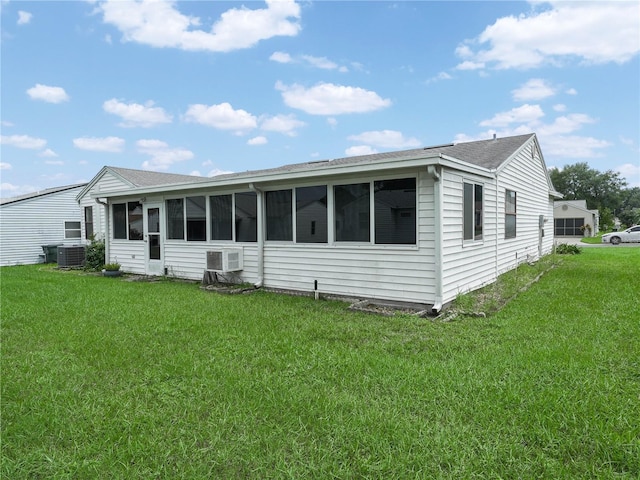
(153, 238)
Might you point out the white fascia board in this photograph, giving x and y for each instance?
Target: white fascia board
(455, 164)
(265, 177)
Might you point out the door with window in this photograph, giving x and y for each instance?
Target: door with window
(153, 239)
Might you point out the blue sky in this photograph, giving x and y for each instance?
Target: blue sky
(202, 87)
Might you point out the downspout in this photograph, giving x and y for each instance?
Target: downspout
(106, 229)
(437, 227)
(497, 223)
(260, 228)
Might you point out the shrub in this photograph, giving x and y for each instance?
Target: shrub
(95, 255)
(566, 249)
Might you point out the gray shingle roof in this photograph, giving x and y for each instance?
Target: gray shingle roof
(41, 193)
(144, 178)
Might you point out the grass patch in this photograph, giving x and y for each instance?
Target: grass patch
(103, 378)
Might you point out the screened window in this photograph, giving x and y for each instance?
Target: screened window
(352, 212)
(510, 214)
(246, 217)
(395, 211)
(120, 220)
(72, 230)
(88, 223)
(220, 212)
(196, 219)
(175, 219)
(279, 216)
(135, 220)
(127, 220)
(311, 214)
(473, 215)
(569, 227)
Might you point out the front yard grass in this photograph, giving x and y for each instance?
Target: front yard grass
(103, 379)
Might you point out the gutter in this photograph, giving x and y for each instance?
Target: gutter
(106, 229)
(260, 228)
(434, 172)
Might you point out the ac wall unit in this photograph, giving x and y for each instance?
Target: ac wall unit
(71, 255)
(225, 260)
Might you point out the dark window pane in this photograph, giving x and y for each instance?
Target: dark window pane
(119, 220)
(510, 202)
(246, 217)
(135, 220)
(279, 218)
(395, 211)
(352, 212)
(175, 219)
(196, 219)
(468, 211)
(510, 226)
(478, 213)
(221, 218)
(311, 214)
(88, 222)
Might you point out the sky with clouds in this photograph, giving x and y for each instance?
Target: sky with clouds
(203, 87)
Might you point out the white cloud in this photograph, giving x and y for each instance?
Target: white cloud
(592, 32)
(359, 150)
(23, 141)
(332, 122)
(216, 171)
(48, 153)
(48, 94)
(572, 146)
(24, 17)
(631, 172)
(221, 117)
(469, 65)
(6, 123)
(320, 62)
(5, 166)
(10, 190)
(281, 57)
(160, 24)
(386, 139)
(162, 156)
(565, 124)
(136, 115)
(330, 99)
(96, 144)
(534, 89)
(438, 78)
(560, 107)
(523, 114)
(571, 91)
(260, 140)
(285, 124)
(54, 162)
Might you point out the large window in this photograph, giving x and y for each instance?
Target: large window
(221, 217)
(311, 214)
(395, 211)
(473, 211)
(72, 230)
(352, 212)
(196, 219)
(175, 219)
(510, 214)
(246, 217)
(127, 220)
(568, 227)
(88, 223)
(279, 216)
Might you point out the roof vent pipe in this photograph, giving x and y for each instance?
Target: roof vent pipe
(494, 136)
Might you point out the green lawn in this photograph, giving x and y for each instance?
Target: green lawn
(104, 378)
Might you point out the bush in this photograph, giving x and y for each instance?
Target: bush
(566, 249)
(95, 255)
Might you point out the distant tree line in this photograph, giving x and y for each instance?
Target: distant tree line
(604, 191)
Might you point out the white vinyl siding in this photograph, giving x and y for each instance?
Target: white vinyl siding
(26, 225)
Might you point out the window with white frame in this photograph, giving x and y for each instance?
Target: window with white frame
(352, 209)
(127, 220)
(220, 214)
(72, 230)
(279, 215)
(509, 214)
(311, 214)
(88, 223)
(473, 211)
(246, 216)
(395, 211)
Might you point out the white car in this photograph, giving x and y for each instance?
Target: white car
(629, 235)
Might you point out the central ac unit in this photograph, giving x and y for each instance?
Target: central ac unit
(71, 256)
(225, 260)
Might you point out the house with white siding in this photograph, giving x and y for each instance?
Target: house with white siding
(572, 218)
(420, 225)
(28, 222)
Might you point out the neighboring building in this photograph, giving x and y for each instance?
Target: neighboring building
(572, 218)
(27, 222)
(420, 225)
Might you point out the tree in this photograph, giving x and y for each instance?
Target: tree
(580, 182)
(629, 213)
